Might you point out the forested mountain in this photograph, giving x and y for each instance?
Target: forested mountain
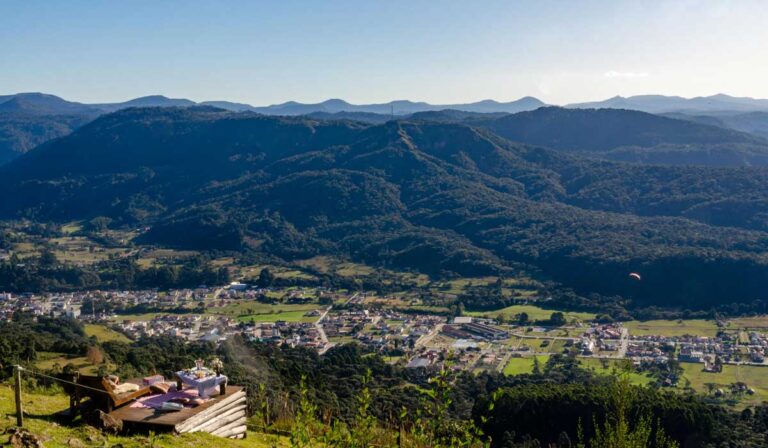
(629, 136)
(43, 104)
(755, 123)
(611, 134)
(19, 133)
(442, 116)
(29, 119)
(146, 101)
(632, 136)
(437, 197)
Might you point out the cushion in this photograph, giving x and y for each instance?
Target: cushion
(126, 388)
(160, 388)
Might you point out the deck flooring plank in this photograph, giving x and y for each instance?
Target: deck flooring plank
(154, 419)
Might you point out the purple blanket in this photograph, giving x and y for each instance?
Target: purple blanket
(156, 401)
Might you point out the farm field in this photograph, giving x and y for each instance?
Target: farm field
(598, 366)
(331, 265)
(534, 313)
(518, 366)
(287, 316)
(81, 250)
(757, 322)
(163, 256)
(104, 334)
(696, 327)
(543, 345)
(251, 273)
(137, 317)
(755, 377)
(55, 361)
(251, 307)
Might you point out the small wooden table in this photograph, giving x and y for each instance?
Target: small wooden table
(202, 384)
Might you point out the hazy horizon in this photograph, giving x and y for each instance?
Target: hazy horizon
(288, 100)
(439, 52)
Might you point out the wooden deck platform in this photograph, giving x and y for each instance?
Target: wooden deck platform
(224, 415)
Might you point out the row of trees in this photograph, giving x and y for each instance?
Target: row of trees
(47, 274)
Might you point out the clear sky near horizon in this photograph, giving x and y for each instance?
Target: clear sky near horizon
(265, 52)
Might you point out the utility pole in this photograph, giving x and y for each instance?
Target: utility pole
(19, 411)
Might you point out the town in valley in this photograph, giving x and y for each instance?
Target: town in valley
(722, 357)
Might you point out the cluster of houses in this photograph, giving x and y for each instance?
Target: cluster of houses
(348, 322)
(701, 348)
(190, 327)
(71, 304)
(649, 351)
(758, 346)
(600, 338)
(53, 305)
(426, 359)
(290, 333)
(380, 329)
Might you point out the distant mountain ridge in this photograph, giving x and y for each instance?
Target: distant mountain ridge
(399, 107)
(147, 101)
(655, 104)
(35, 103)
(29, 119)
(51, 104)
(666, 104)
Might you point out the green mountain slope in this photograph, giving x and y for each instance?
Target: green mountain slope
(631, 136)
(436, 197)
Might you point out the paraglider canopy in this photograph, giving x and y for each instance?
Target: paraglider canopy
(635, 276)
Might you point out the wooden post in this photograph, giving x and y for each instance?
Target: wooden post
(19, 411)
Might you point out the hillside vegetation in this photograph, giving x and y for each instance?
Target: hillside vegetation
(632, 136)
(441, 198)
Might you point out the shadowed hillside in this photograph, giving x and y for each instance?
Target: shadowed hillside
(632, 136)
(437, 197)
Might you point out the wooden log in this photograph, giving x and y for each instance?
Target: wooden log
(221, 420)
(227, 403)
(214, 409)
(205, 416)
(236, 433)
(213, 422)
(230, 429)
(234, 424)
(238, 419)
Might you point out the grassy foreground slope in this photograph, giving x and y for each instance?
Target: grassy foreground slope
(39, 409)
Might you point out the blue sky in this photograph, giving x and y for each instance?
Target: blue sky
(265, 52)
